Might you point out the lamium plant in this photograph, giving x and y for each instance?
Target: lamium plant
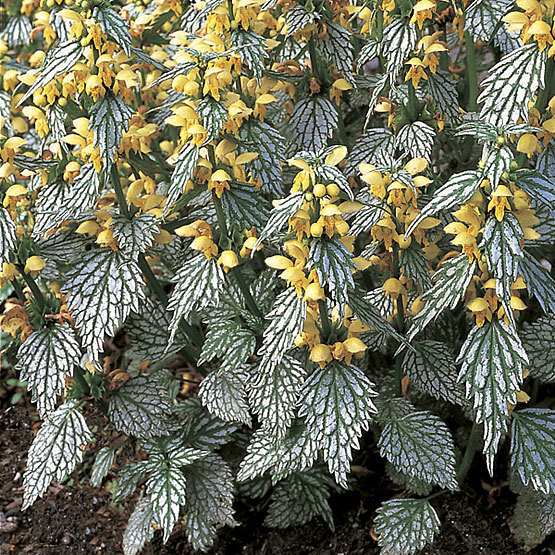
(339, 216)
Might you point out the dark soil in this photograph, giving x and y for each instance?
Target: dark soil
(76, 518)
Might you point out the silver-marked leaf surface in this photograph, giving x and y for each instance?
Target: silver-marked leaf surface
(491, 368)
(102, 465)
(337, 403)
(135, 235)
(140, 527)
(102, 289)
(405, 525)
(533, 448)
(114, 26)
(420, 445)
(7, 235)
(313, 122)
(140, 408)
(56, 450)
(44, 360)
(538, 340)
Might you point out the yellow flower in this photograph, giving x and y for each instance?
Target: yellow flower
(321, 354)
(500, 201)
(416, 71)
(528, 144)
(228, 259)
(34, 264)
(205, 245)
(481, 310)
(94, 87)
(393, 287)
(424, 9)
(219, 181)
(314, 292)
(353, 346)
(541, 32)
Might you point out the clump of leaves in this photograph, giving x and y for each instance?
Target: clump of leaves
(319, 209)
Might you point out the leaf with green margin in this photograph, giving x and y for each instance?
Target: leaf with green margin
(491, 368)
(57, 448)
(533, 448)
(420, 445)
(405, 525)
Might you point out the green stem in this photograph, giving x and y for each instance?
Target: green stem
(190, 331)
(400, 322)
(79, 376)
(412, 106)
(535, 391)
(545, 94)
(379, 32)
(122, 201)
(471, 73)
(471, 448)
(32, 286)
(324, 317)
(235, 272)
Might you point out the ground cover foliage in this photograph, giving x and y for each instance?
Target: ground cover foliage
(340, 215)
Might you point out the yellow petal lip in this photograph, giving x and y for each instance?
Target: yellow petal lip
(278, 262)
(539, 27)
(34, 264)
(16, 191)
(336, 155)
(478, 304)
(416, 165)
(299, 163)
(354, 345)
(501, 191)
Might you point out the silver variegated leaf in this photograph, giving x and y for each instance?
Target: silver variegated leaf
(399, 40)
(61, 201)
(45, 359)
(537, 186)
(337, 46)
(368, 146)
(300, 498)
(252, 49)
(213, 115)
(260, 137)
(228, 341)
(166, 487)
(368, 52)
(482, 17)
(444, 94)
(56, 450)
(372, 211)
(59, 60)
(279, 216)
(451, 281)
(135, 235)
(414, 265)
(538, 340)
(224, 394)
(17, 32)
(405, 525)
(102, 289)
(114, 26)
(533, 448)
(183, 171)
(333, 262)
(109, 119)
(244, 206)
(286, 322)
(295, 452)
(416, 139)
(326, 173)
(546, 505)
(297, 19)
(337, 403)
(7, 235)
(498, 161)
(501, 244)
(431, 369)
(140, 527)
(274, 393)
(198, 283)
(102, 465)
(209, 503)
(140, 408)
(457, 190)
(538, 282)
(313, 122)
(511, 84)
(420, 445)
(491, 368)
(149, 334)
